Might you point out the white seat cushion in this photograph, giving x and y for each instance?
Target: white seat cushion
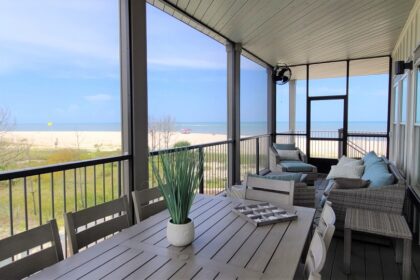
(346, 171)
(349, 161)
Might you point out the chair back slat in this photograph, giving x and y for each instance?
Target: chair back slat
(328, 235)
(326, 224)
(73, 221)
(317, 253)
(147, 203)
(328, 214)
(101, 230)
(25, 240)
(270, 190)
(147, 195)
(28, 240)
(153, 209)
(91, 214)
(29, 265)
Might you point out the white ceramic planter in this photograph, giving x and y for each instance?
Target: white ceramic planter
(180, 235)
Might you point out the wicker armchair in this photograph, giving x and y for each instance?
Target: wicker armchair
(386, 199)
(275, 165)
(304, 195)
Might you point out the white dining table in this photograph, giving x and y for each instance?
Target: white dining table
(226, 246)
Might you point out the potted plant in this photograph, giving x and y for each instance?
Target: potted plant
(178, 179)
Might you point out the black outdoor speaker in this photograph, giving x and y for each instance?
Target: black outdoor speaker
(400, 66)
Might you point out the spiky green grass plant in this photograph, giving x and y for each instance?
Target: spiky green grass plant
(178, 179)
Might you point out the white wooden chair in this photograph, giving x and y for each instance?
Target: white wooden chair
(22, 242)
(315, 259)
(270, 190)
(147, 203)
(326, 225)
(91, 224)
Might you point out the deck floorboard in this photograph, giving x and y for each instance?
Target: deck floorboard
(329, 262)
(368, 262)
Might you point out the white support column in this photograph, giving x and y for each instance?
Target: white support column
(233, 94)
(134, 93)
(292, 109)
(292, 106)
(409, 129)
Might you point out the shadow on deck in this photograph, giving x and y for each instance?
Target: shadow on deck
(368, 261)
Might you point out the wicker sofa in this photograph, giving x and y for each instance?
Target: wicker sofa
(277, 165)
(385, 199)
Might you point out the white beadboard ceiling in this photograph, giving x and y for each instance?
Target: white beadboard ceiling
(298, 31)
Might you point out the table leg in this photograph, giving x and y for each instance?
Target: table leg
(398, 250)
(418, 224)
(347, 250)
(406, 266)
(416, 221)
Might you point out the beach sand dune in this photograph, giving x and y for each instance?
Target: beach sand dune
(102, 140)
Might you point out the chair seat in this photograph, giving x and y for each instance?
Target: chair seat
(284, 176)
(296, 166)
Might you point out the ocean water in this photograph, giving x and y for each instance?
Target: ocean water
(247, 128)
(254, 128)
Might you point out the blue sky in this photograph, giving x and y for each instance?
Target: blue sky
(187, 74)
(59, 62)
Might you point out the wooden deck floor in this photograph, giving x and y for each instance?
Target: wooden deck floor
(368, 261)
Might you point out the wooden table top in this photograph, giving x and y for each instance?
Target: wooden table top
(385, 224)
(225, 247)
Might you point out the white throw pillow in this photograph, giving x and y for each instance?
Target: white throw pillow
(349, 161)
(289, 154)
(346, 171)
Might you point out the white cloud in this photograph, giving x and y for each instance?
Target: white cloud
(53, 33)
(98, 97)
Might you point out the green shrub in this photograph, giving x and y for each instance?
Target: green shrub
(182, 143)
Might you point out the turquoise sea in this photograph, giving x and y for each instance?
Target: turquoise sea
(247, 128)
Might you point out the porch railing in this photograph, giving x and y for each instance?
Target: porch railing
(253, 159)
(214, 168)
(31, 197)
(358, 143)
(254, 154)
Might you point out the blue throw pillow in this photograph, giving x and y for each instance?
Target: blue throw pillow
(378, 175)
(284, 146)
(371, 158)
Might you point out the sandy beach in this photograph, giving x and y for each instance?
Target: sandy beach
(111, 141)
(94, 140)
